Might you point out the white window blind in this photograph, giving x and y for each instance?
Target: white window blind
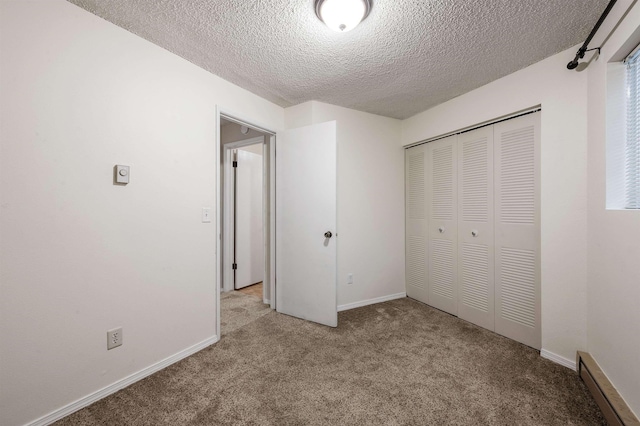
(632, 143)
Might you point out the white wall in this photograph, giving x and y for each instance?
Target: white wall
(299, 115)
(79, 255)
(614, 236)
(562, 95)
(254, 149)
(370, 199)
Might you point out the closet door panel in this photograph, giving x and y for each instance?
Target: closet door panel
(475, 227)
(416, 244)
(517, 206)
(442, 214)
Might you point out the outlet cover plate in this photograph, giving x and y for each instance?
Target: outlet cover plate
(114, 338)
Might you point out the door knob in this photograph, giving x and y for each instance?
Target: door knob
(441, 230)
(328, 234)
(474, 233)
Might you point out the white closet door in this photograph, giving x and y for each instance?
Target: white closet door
(442, 223)
(416, 222)
(475, 227)
(517, 266)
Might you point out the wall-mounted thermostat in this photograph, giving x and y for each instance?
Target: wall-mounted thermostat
(122, 174)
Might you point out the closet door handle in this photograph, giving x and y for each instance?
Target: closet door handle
(474, 233)
(328, 234)
(441, 230)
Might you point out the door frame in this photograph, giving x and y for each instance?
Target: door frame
(269, 207)
(228, 216)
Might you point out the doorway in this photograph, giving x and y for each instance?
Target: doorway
(303, 250)
(245, 267)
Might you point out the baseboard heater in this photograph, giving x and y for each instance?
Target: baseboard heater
(614, 408)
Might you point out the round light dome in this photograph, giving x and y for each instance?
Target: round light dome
(342, 15)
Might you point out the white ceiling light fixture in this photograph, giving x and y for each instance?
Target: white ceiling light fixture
(342, 15)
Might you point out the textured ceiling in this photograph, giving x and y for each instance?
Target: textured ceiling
(407, 56)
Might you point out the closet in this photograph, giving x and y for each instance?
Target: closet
(473, 226)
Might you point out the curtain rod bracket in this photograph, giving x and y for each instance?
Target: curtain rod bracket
(584, 49)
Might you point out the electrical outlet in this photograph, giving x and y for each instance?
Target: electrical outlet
(349, 278)
(114, 338)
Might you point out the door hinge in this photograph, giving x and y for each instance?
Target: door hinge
(234, 266)
(235, 164)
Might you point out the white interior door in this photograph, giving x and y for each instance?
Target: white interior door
(248, 224)
(475, 227)
(443, 226)
(306, 211)
(416, 246)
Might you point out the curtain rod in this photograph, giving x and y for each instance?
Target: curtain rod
(584, 49)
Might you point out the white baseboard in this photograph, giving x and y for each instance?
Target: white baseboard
(558, 359)
(371, 301)
(121, 384)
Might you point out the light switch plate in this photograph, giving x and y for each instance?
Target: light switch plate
(121, 174)
(206, 215)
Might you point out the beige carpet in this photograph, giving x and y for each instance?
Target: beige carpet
(395, 363)
(238, 309)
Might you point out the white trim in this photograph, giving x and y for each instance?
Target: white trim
(227, 223)
(232, 117)
(558, 359)
(371, 301)
(120, 384)
(218, 284)
(271, 148)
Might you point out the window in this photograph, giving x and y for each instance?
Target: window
(632, 143)
(623, 133)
